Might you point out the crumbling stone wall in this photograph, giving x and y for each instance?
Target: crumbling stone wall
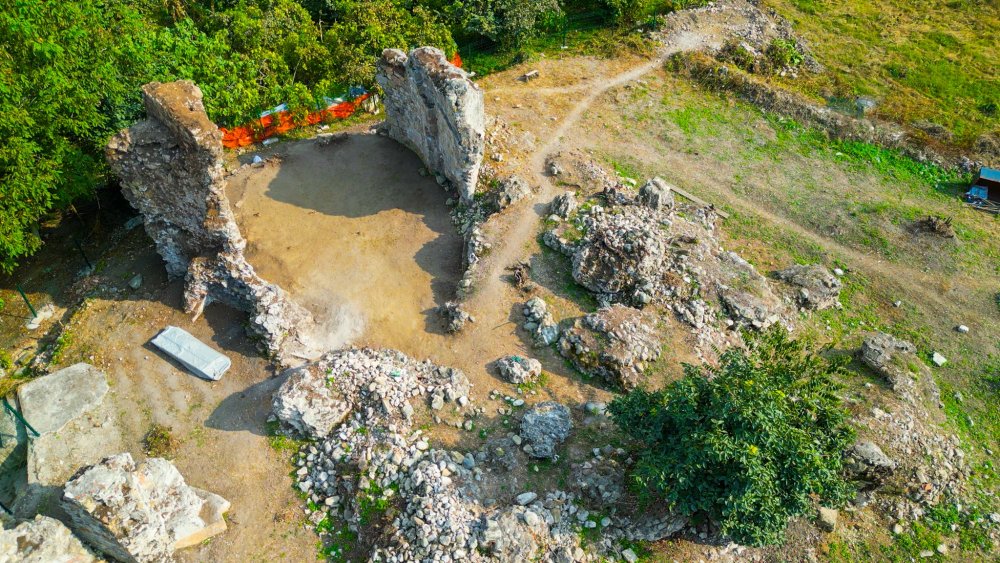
(170, 166)
(433, 108)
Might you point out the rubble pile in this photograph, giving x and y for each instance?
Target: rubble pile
(615, 343)
(544, 427)
(435, 109)
(646, 249)
(454, 316)
(356, 404)
(818, 288)
(142, 512)
(171, 170)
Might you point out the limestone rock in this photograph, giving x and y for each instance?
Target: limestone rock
(538, 321)
(518, 369)
(50, 402)
(434, 108)
(544, 427)
(867, 463)
(455, 317)
(619, 254)
(818, 289)
(171, 171)
(140, 512)
(656, 194)
(897, 362)
(564, 205)
(42, 540)
(308, 403)
(614, 343)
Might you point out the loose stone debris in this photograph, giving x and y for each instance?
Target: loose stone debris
(140, 512)
(454, 316)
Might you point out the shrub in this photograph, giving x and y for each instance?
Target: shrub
(749, 443)
(627, 12)
(783, 53)
(160, 442)
(6, 362)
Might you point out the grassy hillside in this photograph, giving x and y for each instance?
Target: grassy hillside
(921, 59)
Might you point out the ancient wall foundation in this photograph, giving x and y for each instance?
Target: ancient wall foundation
(170, 166)
(433, 108)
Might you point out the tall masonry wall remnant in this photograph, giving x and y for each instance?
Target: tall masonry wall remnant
(433, 108)
(170, 166)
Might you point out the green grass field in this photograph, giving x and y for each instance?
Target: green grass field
(922, 60)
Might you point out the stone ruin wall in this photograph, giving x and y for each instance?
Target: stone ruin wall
(171, 171)
(436, 110)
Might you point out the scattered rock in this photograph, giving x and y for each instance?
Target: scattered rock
(510, 191)
(962, 329)
(454, 316)
(938, 359)
(564, 205)
(525, 499)
(818, 289)
(544, 427)
(656, 194)
(539, 323)
(867, 463)
(827, 519)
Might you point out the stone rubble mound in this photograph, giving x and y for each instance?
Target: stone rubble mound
(435, 109)
(42, 540)
(544, 427)
(818, 288)
(455, 318)
(518, 369)
(435, 497)
(539, 323)
(511, 190)
(648, 250)
(615, 343)
(140, 512)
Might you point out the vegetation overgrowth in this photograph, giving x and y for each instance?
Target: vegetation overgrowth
(750, 443)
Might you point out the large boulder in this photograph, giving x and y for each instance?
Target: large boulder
(818, 288)
(564, 205)
(615, 343)
(544, 427)
(42, 540)
(656, 194)
(435, 109)
(518, 369)
(138, 512)
(896, 361)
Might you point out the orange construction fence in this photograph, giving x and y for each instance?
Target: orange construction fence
(279, 122)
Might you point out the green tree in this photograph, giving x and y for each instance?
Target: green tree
(509, 23)
(748, 443)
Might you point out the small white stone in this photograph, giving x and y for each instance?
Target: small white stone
(938, 359)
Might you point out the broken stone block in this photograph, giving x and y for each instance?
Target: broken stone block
(140, 512)
(51, 401)
(517, 369)
(42, 540)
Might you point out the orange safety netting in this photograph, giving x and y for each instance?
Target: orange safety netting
(282, 122)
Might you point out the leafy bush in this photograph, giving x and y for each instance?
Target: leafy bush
(509, 23)
(783, 53)
(748, 443)
(628, 12)
(6, 362)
